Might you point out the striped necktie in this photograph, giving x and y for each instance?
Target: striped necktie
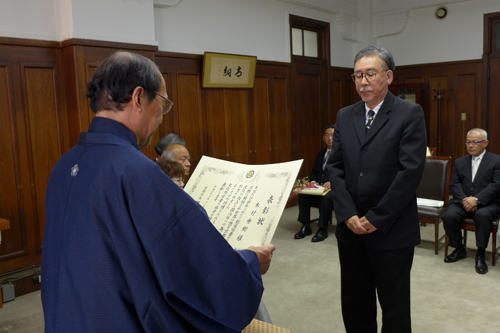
(371, 113)
(325, 159)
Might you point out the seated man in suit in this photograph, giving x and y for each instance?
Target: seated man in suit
(475, 186)
(319, 175)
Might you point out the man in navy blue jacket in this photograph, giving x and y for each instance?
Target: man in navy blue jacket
(125, 249)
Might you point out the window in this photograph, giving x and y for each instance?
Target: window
(309, 40)
(304, 42)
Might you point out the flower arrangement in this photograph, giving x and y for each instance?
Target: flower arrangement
(299, 185)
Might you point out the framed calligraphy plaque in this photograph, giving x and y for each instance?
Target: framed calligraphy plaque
(228, 70)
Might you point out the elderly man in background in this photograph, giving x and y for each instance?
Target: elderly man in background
(475, 186)
(167, 140)
(178, 153)
(120, 253)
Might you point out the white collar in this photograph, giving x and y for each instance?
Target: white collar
(480, 157)
(375, 109)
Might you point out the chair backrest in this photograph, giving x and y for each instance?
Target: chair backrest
(435, 183)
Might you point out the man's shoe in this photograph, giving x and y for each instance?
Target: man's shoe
(320, 236)
(481, 266)
(456, 255)
(304, 231)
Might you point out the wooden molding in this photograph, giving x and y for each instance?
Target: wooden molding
(115, 45)
(29, 42)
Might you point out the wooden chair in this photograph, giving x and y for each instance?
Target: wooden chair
(468, 224)
(435, 186)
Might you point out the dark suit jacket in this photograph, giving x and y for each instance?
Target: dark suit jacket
(317, 173)
(376, 174)
(486, 184)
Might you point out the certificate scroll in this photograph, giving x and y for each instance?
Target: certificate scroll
(244, 202)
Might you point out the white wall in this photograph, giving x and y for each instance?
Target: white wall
(257, 27)
(128, 21)
(251, 27)
(428, 40)
(35, 19)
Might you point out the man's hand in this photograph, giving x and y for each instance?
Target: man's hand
(327, 185)
(354, 224)
(367, 225)
(470, 204)
(265, 254)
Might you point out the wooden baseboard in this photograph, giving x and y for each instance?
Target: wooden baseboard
(23, 286)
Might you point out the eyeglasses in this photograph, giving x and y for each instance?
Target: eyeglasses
(178, 180)
(474, 143)
(166, 105)
(369, 76)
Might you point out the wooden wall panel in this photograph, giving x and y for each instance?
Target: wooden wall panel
(10, 199)
(493, 101)
(34, 136)
(308, 129)
(236, 104)
(43, 133)
(438, 138)
(280, 121)
(273, 130)
(260, 131)
(342, 91)
(465, 104)
(490, 99)
(216, 131)
(168, 119)
(190, 116)
(242, 125)
(461, 83)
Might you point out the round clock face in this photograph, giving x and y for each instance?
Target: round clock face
(441, 13)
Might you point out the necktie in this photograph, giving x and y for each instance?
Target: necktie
(325, 159)
(371, 113)
(475, 164)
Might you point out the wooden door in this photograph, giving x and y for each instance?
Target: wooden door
(311, 100)
(310, 113)
(491, 80)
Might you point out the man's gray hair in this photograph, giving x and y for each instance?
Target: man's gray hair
(168, 155)
(482, 132)
(167, 140)
(384, 54)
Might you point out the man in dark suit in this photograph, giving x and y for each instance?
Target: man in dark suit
(475, 186)
(321, 176)
(378, 159)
